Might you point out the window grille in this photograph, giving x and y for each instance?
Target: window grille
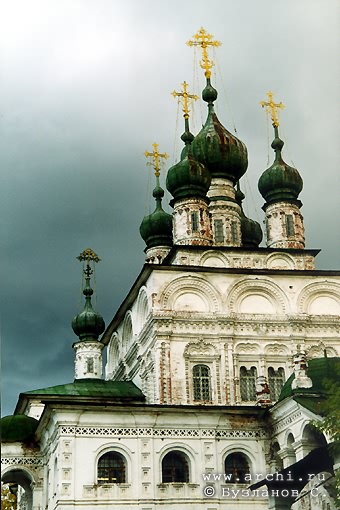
(175, 468)
(276, 379)
(248, 383)
(290, 225)
(111, 468)
(89, 365)
(234, 231)
(201, 381)
(218, 227)
(236, 466)
(194, 221)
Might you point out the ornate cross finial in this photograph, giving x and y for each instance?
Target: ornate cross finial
(203, 39)
(184, 97)
(272, 107)
(88, 255)
(155, 155)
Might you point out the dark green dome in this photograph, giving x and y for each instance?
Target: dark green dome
(251, 231)
(88, 324)
(321, 371)
(156, 228)
(188, 178)
(18, 427)
(222, 153)
(280, 182)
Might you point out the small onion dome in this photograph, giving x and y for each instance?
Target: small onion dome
(280, 182)
(18, 427)
(88, 324)
(156, 228)
(251, 231)
(188, 178)
(224, 155)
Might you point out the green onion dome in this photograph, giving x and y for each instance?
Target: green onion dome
(251, 231)
(156, 228)
(224, 155)
(188, 178)
(18, 427)
(88, 324)
(280, 182)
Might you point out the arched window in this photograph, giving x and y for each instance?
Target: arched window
(201, 382)
(276, 379)
(175, 468)
(236, 466)
(111, 468)
(248, 383)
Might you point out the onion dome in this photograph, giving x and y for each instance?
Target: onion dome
(88, 324)
(156, 228)
(18, 428)
(280, 182)
(188, 178)
(224, 155)
(250, 229)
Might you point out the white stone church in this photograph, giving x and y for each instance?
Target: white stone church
(216, 359)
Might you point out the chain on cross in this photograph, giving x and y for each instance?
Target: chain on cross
(88, 255)
(272, 108)
(155, 155)
(185, 98)
(203, 39)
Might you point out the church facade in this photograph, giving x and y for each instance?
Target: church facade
(215, 359)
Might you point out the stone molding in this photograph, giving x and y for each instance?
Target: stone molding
(165, 433)
(23, 461)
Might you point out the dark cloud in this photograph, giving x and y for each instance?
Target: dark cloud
(86, 90)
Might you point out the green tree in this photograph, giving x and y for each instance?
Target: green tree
(8, 500)
(330, 424)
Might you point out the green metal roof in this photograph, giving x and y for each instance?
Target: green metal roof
(322, 371)
(92, 388)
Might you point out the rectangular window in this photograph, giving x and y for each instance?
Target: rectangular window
(234, 229)
(248, 383)
(290, 225)
(194, 221)
(218, 227)
(276, 379)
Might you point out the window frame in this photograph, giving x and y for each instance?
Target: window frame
(202, 379)
(186, 467)
(122, 458)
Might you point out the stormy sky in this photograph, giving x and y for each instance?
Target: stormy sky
(85, 90)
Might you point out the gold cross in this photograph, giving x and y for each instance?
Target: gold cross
(271, 107)
(204, 40)
(88, 255)
(155, 155)
(185, 98)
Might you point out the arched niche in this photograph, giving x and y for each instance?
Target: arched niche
(280, 261)
(190, 293)
(256, 296)
(320, 298)
(213, 259)
(127, 333)
(143, 309)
